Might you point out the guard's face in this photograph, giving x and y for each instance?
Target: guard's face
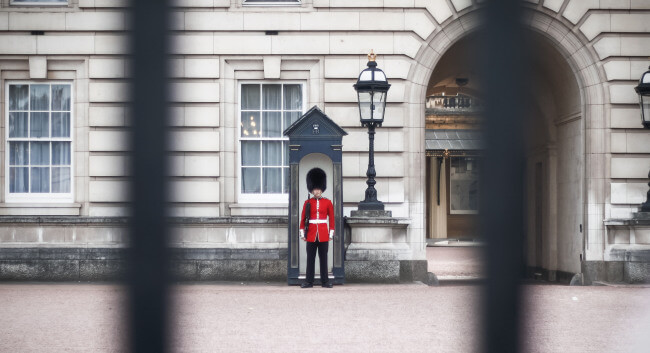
(317, 192)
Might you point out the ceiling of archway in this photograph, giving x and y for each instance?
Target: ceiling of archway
(552, 86)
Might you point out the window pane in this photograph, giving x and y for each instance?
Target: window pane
(379, 104)
(40, 179)
(292, 97)
(290, 118)
(364, 105)
(18, 124)
(286, 180)
(271, 97)
(39, 124)
(463, 184)
(60, 97)
(272, 153)
(18, 179)
(61, 179)
(19, 97)
(250, 97)
(272, 124)
(251, 180)
(285, 149)
(39, 98)
(18, 153)
(39, 153)
(250, 124)
(272, 180)
(60, 124)
(60, 153)
(250, 153)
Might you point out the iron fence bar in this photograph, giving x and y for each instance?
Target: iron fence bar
(148, 274)
(502, 67)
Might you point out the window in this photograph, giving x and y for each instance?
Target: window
(39, 2)
(463, 185)
(266, 111)
(39, 142)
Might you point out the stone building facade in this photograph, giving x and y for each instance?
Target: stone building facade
(242, 70)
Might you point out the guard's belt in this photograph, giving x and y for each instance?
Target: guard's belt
(317, 221)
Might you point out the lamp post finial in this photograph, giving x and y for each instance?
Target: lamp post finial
(372, 56)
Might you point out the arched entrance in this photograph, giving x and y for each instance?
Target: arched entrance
(452, 131)
(566, 97)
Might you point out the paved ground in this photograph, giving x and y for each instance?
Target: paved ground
(350, 318)
(449, 262)
(236, 317)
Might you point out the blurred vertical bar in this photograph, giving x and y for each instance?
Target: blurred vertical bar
(147, 273)
(502, 58)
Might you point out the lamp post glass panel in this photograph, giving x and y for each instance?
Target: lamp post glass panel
(643, 89)
(372, 87)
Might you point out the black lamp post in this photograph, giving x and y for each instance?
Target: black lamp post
(643, 89)
(372, 87)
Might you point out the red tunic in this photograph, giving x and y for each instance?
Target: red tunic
(320, 210)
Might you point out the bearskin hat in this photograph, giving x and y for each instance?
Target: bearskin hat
(316, 179)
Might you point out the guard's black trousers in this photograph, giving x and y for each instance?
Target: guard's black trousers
(311, 260)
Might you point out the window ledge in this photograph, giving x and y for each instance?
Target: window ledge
(40, 209)
(266, 3)
(259, 209)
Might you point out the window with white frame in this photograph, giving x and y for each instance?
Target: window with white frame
(39, 142)
(267, 109)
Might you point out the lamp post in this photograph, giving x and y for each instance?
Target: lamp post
(372, 87)
(643, 90)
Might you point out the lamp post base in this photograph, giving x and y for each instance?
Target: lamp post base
(370, 213)
(369, 204)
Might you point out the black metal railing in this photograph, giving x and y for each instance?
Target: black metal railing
(148, 278)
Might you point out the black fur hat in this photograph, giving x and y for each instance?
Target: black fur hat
(316, 179)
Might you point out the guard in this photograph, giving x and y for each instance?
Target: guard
(314, 223)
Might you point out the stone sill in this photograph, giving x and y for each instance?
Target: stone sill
(28, 245)
(234, 246)
(379, 221)
(239, 220)
(629, 253)
(40, 209)
(64, 220)
(254, 209)
(122, 221)
(627, 222)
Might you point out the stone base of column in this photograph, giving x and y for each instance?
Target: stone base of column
(370, 213)
(627, 252)
(379, 252)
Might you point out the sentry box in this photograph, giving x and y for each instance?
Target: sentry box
(314, 142)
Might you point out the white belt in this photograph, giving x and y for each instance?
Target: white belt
(312, 221)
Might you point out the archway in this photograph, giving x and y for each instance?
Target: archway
(568, 92)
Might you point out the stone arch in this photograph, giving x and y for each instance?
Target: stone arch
(589, 75)
(581, 58)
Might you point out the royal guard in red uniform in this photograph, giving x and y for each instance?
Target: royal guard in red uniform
(314, 217)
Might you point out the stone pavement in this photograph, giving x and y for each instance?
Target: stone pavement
(263, 317)
(235, 317)
(455, 262)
